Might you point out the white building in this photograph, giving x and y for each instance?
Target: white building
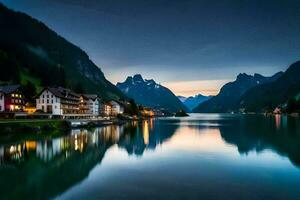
(93, 104)
(106, 109)
(1, 101)
(116, 108)
(58, 101)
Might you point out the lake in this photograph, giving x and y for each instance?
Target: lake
(204, 156)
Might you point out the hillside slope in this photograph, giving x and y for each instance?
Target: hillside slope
(29, 48)
(268, 96)
(230, 94)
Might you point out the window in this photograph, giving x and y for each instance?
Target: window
(47, 100)
(47, 95)
(51, 100)
(43, 101)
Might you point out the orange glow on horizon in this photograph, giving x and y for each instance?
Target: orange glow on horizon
(191, 88)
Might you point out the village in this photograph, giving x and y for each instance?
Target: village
(63, 103)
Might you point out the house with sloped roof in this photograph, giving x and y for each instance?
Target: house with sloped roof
(94, 104)
(58, 101)
(117, 107)
(11, 98)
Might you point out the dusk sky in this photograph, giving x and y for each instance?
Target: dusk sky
(189, 46)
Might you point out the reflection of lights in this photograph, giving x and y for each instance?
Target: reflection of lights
(151, 123)
(277, 120)
(146, 132)
(76, 143)
(30, 145)
(12, 149)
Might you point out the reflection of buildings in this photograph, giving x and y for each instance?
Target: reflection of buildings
(46, 150)
(145, 135)
(42, 169)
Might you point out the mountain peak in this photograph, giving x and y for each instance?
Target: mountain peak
(138, 78)
(150, 94)
(256, 75)
(242, 76)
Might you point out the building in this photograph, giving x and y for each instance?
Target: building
(58, 101)
(106, 109)
(11, 98)
(93, 104)
(1, 101)
(116, 107)
(83, 104)
(147, 112)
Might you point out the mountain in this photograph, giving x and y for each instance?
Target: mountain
(230, 94)
(150, 94)
(268, 96)
(182, 98)
(193, 101)
(30, 51)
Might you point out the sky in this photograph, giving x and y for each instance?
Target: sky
(190, 46)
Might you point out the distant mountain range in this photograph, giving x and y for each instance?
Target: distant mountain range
(150, 94)
(230, 94)
(193, 101)
(30, 51)
(182, 98)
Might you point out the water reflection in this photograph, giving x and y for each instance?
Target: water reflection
(44, 168)
(146, 135)
(280, 134)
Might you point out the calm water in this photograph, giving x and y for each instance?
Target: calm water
(199, 157)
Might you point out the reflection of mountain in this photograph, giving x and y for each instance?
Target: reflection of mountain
(146, 135)
(278, 133)
(44, 169)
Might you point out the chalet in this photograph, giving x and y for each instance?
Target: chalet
(116, 107)
(58, 101)
(94, 104)
(83, 104)
(11, 98)
(106, 109)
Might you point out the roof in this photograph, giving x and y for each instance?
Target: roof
(9, 88)
(62, 93)
(92, 96)
(120, 103)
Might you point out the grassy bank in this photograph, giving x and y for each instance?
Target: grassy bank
(33, 126)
